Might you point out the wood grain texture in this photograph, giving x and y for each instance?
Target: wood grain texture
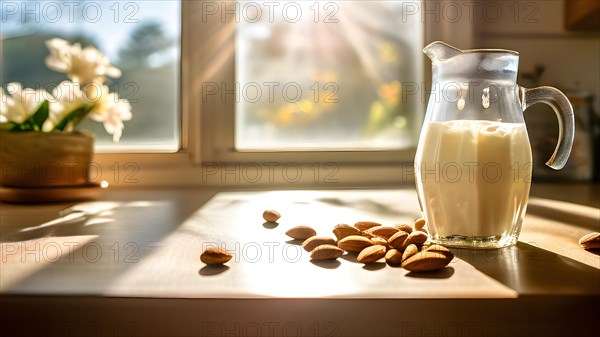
(38, 159)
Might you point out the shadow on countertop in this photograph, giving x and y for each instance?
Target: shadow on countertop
(534, 271)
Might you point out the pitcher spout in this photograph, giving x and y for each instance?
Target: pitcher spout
(439, 51)
(451, 63)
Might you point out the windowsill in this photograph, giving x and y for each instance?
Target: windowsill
(130, 148)
(151, 241)
(178, 170)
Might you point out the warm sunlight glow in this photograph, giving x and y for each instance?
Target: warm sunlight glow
(339, 72)
(34, 255)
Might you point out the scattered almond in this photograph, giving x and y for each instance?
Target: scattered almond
(382, 231)
(215, 255)
(419, 224)
(315, 241)
(425, 261)
(418, 237)
(404, 227)
(364, 225)
(354, 243)
(371, 254)
(590, 241)
(271, 215)
(393, 257)
(409, 251)
(379, 241)
(343, 230)
(301, 232)
(399, 240)
(326, 252)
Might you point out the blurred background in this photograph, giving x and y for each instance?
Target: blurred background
(351, 60)
(347, 62)
(559, 45)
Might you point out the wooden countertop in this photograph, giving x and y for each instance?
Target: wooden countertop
(140, 250)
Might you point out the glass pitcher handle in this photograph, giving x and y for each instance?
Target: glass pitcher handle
(566, 123)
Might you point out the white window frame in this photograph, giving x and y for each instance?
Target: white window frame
(207, 128)
(215, 142)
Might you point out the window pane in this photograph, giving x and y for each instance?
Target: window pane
(139, 37)
(327, 75)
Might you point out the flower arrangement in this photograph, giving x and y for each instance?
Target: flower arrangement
(83, 95)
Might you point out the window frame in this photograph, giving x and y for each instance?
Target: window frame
(214, 141)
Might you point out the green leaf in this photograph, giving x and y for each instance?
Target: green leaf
(86, 111)
(40, 116)
(75, 114)
(35, 122)
(7, 126)
(25, 126)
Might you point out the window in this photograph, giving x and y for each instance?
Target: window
(351, 60)
(326, 75)
(142, 38)
(193, 71)
(303, 81)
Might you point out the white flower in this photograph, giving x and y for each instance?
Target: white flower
(85, 65)
(110, 110)
(68, 98)
(19, 104)
(5, 100)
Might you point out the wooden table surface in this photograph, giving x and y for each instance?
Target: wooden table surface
(132, 268)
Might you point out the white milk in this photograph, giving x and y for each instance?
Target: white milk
(475, 177)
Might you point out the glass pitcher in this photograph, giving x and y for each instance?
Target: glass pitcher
(473, 163)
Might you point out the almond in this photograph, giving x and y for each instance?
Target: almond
(343, 230)
(371, 254)
(425, 261)
(379, 241)
(590, 241)
(364, 225)
(418, 237)
(271, 215)
(301, 232)
(410, 250)
(382, 231)
(399, 240)
(315, 241)
(420, 224)
(442, 250)
(367, 235)
(404, 227)
(215, 255)
(354, 243)
(326, 252)
(393, 257)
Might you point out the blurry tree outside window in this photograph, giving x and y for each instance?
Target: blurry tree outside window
(327, 75)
